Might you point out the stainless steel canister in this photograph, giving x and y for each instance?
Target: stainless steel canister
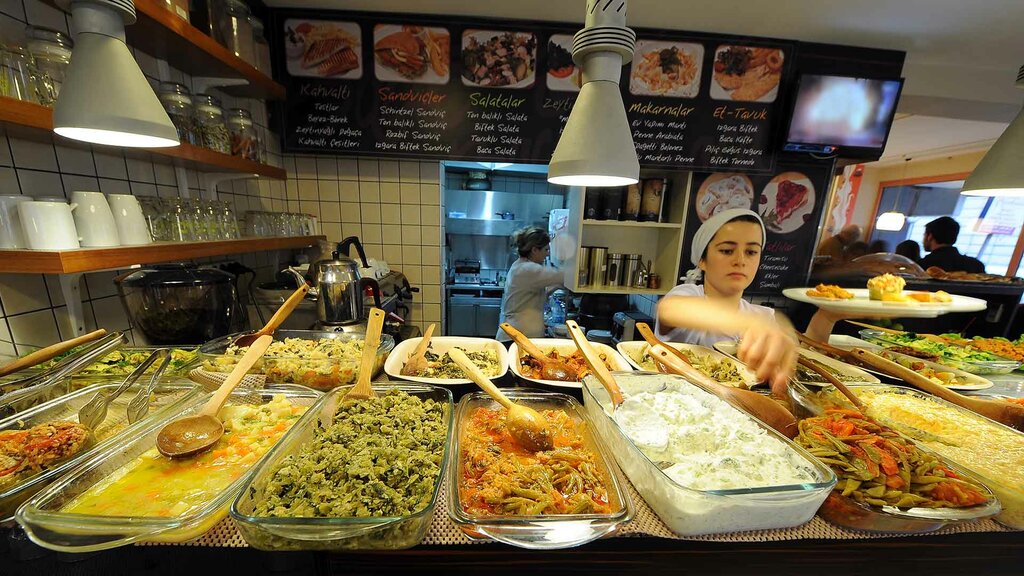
(583, 266)
(616, 263)
(631, 269)
(598, 265)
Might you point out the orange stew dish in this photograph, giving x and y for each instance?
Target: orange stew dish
(530, 367)
(500, 477)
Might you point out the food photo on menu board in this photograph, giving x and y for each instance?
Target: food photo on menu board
(721, 192)
(411, 53)
(747, 73)
(662, 68)
(319, 49)
(499, 59)
(563, 75)
(787, 202)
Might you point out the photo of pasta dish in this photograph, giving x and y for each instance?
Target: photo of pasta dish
(666, 69)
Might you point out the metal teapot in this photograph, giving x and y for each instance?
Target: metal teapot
(338, 286)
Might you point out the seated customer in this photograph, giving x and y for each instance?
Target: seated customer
(909, 248)
(939, 236)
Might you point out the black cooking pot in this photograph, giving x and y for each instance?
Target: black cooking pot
(179, 303)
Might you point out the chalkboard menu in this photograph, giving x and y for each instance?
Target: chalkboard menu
(455, 89)
(790, 201)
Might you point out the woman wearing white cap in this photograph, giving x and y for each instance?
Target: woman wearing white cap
(727, 252)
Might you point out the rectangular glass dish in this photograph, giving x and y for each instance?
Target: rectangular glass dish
(954, 358)
(123, 361)
(48, 524)
(18, 487)
(991, 452)
(338, 533)
(316, 370)
(690, 512)
(548, 531)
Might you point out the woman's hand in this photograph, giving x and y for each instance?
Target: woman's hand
(770, 351)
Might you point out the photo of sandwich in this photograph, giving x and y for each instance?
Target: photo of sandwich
(407, 53)
(666, 69)
(747, 73)
(723, 191)
(495, 59)
(563, 74)
(786, 202)
(320, 49)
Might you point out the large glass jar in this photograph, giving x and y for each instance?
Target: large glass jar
(243, 134)
(177, 101)
(213, 132)
(261, 46)
(51, 50)
(17, 74)
(236, 30)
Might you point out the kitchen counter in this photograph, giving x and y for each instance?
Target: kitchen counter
(489, 287)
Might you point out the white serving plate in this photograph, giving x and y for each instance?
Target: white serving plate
(629, 351)
(973, 381)
(861, 304)
(440, 345)
(862, 376)
(564, 346)
(847, 342)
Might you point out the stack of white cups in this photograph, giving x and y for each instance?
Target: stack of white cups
(92, 220)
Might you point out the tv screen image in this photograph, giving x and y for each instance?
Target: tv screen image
(843, 112)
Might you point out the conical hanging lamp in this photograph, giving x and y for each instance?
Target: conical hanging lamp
(1001, 170)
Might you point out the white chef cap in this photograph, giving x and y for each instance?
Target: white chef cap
(708, 230)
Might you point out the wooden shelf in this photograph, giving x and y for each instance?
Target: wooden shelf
(92, 259)
(162, 34)
(631, 224)
(36, 122)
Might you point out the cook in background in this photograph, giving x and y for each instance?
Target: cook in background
(939, 236)
(835, 246)
(522, 304)
(727, 252)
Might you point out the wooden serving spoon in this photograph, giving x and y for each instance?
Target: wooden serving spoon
(597, 366)
(551, 368)
(827, 375)
(362, 389)
(44, 354)
(277, 319)
(761, 407)
(416, 361)
(194, 434)
(524, 424)
(1003, 412)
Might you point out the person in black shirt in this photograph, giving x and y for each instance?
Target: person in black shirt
(939, 236)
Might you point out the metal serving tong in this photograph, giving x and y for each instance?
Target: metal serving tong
(24, 387)
(92, 414)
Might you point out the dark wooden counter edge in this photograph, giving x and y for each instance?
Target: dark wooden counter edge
(978, 553)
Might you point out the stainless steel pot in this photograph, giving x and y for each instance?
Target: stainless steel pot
(338, 288)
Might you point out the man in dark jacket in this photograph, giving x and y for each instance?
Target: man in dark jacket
(939, 236)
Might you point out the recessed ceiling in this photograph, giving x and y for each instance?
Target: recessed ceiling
(917, 136)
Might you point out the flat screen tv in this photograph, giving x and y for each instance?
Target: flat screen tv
(842, 115)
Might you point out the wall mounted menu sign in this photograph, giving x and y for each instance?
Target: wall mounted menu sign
(790, 202)
(397, 85)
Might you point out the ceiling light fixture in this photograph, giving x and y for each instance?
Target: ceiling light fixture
(105, 98)
(894, 220)
(596, 146)
(1001, 170)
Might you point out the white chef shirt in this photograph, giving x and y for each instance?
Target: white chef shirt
(522, 304)
(708, 339)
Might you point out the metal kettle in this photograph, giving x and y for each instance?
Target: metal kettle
(338, 286)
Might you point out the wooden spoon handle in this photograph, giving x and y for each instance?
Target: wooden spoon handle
(652, 339)
(828, 348)
(44, 354)
(421, 348)
(525, 344)
(370, 345)
(821, 371)
(285, 310)
(909, 376)
(593, 360)
(932, 337)
(251, 356)
(477, 376)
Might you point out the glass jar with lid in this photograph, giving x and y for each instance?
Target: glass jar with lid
(261, 47)
(237, 31)
(177, 101)
(17, 74)
(51, 50)
(243, 134)
(213, 131)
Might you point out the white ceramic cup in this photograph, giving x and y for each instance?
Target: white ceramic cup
(94, 220)
(131, 224)
(48, 225)
(11, 235)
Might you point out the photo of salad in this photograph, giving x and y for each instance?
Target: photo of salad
(495, 59)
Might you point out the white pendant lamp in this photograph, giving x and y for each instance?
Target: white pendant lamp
(596, 147)
(105, 98)
(1001, 170)
(893, 220)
